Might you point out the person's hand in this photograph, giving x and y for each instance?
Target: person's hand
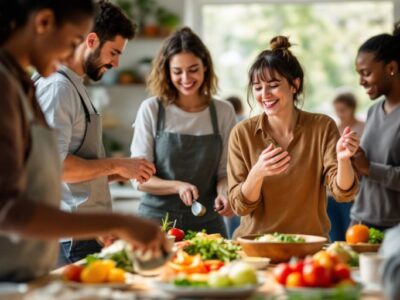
(116, 177)
(144, 235)
(106, 240)
(222, 206)
(360, 162)
(272, 161)
(135, 168)
(187, 192)
(347, 145)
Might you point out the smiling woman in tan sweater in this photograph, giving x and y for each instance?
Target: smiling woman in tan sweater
(281, 161)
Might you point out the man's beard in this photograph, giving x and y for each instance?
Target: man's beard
(93, 65)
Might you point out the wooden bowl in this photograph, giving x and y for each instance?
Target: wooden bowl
(278, 251)
(364, 247)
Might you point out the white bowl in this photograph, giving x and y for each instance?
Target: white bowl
(258, 262)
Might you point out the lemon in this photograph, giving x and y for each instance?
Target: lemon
(116, 275)
(96, 272)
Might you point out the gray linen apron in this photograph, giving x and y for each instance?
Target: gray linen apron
(92, 194)
(22, 259)
(192, 159)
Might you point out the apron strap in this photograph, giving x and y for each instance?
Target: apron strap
(85, 108)
(22, 96)
(160, 117)
(214, 118)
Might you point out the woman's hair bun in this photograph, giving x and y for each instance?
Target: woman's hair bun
(280, 42)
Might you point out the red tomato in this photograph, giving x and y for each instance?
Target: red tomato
(341, 272)
(281, 272)
(213, 264)
(73, 272)
(294, 279)
(297, 266)
(334, 258)
(324, 259)
(178, 233)
(316, 276)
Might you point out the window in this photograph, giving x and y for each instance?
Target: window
(326, 37)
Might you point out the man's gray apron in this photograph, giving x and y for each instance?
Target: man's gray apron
(92, 194)
(24, 259)
(192, 159)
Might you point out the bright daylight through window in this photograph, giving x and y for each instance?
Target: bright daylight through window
(327, 36)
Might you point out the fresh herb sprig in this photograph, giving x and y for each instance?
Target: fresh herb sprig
(375, 236)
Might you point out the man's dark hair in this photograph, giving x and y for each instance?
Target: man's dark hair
(110, 21)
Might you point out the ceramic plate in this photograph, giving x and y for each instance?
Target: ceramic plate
(179, 291)
(129, 280)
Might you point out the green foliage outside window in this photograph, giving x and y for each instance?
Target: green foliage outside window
(327, 36)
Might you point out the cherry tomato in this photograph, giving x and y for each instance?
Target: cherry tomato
(324, 259)
(213, 264)
(297, 266)
(294, 279)
(316, 276)
(178, 233)
(281, 272)
(341, 272)
(73, 272)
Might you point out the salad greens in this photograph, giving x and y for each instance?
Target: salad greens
(280, 237)
(213, 249)
(190, 234)
(375, 236)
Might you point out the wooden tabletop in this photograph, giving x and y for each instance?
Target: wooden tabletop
(141, 288)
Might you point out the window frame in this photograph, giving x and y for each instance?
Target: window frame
(193, 9)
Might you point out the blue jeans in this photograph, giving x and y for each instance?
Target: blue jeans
(231, 224)
(339, 214)
(77, 251)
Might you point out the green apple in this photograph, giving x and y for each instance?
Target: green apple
(218, 279)
(241, 274)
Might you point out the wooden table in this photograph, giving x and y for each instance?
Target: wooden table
(141, 289)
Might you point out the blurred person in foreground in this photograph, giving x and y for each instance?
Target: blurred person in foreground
(41, 34)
